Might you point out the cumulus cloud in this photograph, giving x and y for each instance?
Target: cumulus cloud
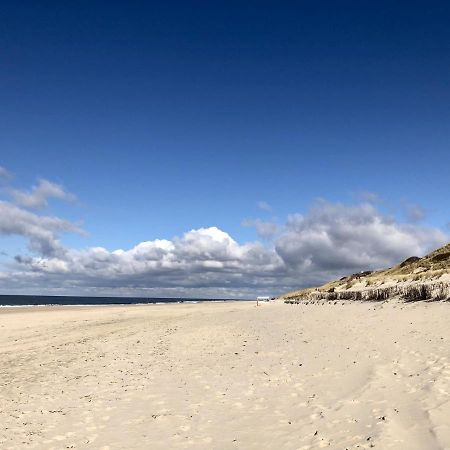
(328, 241)
(42, 232)
(37, 197)
(334, 239)
(264, 229)
(203, 259)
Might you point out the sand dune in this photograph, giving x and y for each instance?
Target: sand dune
(415, 279)
(226, 376)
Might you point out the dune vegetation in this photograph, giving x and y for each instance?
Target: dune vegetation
(414, 279)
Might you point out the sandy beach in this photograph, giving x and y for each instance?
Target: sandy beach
(226, 376)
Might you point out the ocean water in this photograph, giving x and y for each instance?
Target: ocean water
(44, 300)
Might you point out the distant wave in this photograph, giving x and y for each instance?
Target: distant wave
(45, 300)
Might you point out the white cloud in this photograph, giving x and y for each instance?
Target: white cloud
(4, 173)
(334, 239)
(264, 229)
(38, 197)
(368, 197)
(326, 242)
(202, 259)
(41, 231)
(264, 206)
(414, 212)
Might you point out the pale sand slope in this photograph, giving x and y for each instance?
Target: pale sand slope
(226, 376)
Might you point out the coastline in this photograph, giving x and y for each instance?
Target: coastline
(54, 306)
(61, 300)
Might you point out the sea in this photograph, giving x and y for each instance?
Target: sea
(44, 300)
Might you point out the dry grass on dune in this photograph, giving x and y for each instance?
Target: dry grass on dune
(414, 279)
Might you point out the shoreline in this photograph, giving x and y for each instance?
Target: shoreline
(102, 305)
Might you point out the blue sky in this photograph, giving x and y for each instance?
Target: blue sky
(161, 118)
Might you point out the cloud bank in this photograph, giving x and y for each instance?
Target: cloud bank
(326, 242)
(335, 239)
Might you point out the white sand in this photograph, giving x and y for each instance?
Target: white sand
(226, 376)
